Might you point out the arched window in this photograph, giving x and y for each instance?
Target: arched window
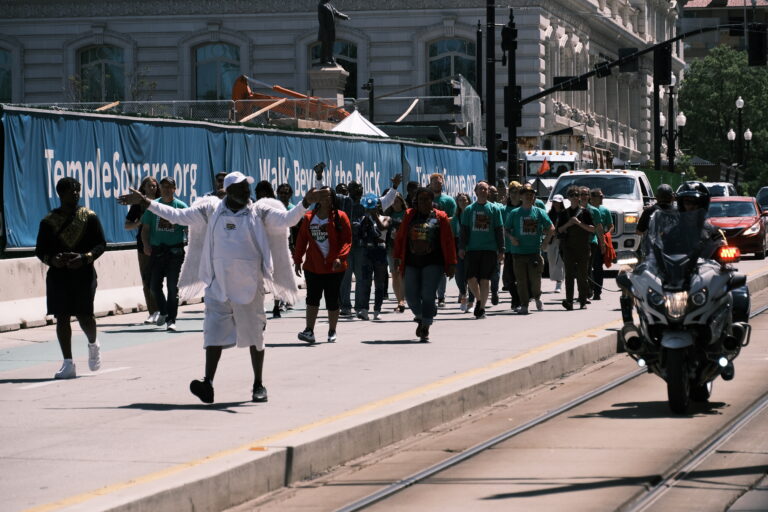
(448, 57)
(217, 65)
(5, 76)
(102, 73)
(346, 55)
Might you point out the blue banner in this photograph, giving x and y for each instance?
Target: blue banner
(461, 169)
(280, 158)
(108, 154)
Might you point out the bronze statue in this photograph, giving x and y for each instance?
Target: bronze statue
(326, 14)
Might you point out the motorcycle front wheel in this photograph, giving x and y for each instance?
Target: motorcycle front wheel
(701, 393)
(678, 384)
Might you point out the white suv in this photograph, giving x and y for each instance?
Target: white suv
(626, 193)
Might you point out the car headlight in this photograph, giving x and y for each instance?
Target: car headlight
(630, 222)
(655, 298)
(676, 304)
(699, 298)
(753, 229)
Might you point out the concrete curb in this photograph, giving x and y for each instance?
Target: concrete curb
(231, 480)
(243, 475)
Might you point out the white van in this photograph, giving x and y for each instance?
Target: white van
(626, 193)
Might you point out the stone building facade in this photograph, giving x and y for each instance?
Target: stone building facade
(192, 49)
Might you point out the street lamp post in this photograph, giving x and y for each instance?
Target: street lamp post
(739, 138)
(675, 129)
(740, 142)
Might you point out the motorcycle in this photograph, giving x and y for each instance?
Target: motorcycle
(693, 307)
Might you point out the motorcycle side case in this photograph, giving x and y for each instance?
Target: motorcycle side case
(676, 339)
(741, 304)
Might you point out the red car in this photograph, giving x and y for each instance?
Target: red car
(742, 221)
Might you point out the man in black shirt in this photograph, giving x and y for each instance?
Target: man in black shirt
(575, 227)
(665, 199)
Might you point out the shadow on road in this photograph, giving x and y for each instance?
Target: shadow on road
(392, 342)
(23, 381)
(223, 406)
(652, 410)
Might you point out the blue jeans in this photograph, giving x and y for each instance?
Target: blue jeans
(441, 288)
(495, 278)
(420, 289)
(355, 266)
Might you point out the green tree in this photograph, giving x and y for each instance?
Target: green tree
(708, 96)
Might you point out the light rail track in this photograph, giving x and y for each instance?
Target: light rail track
(637, 504)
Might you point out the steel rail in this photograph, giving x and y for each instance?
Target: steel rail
(659, 489)
(684, 467)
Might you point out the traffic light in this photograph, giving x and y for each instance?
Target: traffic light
(756, 43)
(662, 65)
(570, 83)
(630, 66)
(502, 146)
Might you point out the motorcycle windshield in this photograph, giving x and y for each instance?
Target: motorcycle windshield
(675, 244)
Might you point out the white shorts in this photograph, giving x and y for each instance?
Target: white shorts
(227, 324)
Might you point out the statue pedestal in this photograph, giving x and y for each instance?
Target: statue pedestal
(328, 83)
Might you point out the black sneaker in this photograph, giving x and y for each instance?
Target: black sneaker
(202, 389)
(479, 312)
(583, 304)
(307, 335)
(418, 330)
(276, 312)
(424, 336)
(259, 393)
(567, 304)
(495, 299)
(441, 303)
(346, 313)
(596, 296)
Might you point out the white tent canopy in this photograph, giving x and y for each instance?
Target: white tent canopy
(358, 125)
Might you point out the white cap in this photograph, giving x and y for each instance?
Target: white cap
(558, 198)
(236, 177)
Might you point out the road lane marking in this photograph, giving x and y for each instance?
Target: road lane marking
(377, 404)
(93, 374)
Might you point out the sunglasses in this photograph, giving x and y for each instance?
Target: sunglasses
(573, 194)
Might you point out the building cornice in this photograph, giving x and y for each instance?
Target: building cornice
(14, 9)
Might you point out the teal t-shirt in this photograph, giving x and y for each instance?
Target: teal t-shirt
(528, 226)
(482, 221)
(538, 203)
(606, 219)
(456, 225)
(162, 232)
(446, 204)
(597, 218)
(505, 211)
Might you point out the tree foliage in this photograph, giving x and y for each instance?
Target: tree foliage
(708, 96)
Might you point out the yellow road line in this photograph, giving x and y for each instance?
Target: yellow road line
(80, 498)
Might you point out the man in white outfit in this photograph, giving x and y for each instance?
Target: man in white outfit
(238, 261)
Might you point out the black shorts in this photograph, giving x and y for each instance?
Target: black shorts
(323, 284)
(480, 264)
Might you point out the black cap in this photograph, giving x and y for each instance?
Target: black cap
(168, 180)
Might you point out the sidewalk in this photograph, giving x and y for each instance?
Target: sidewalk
(132, 437)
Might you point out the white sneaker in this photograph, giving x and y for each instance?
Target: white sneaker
(160, 320)
(539, 305)
(558, 286)
(171, 327)
(150, 319)
(331, 336)
(94, 356)
(67, 370)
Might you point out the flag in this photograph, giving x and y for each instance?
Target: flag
(544, 166)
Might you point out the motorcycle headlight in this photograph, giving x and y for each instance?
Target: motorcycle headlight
(753, 229)
(699, 298)
(655, 298)
(676, 304)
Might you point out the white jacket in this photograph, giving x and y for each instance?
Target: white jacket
(269, 223)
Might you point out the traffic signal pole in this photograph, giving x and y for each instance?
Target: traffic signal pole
(490, 90)
(513, 170)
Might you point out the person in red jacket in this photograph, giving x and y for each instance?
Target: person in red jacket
(325, 236)
(424, 252)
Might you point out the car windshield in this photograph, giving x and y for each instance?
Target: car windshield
(555, 169)
(717, 190)
(762, 197)
(732, 209)
(613, 186)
